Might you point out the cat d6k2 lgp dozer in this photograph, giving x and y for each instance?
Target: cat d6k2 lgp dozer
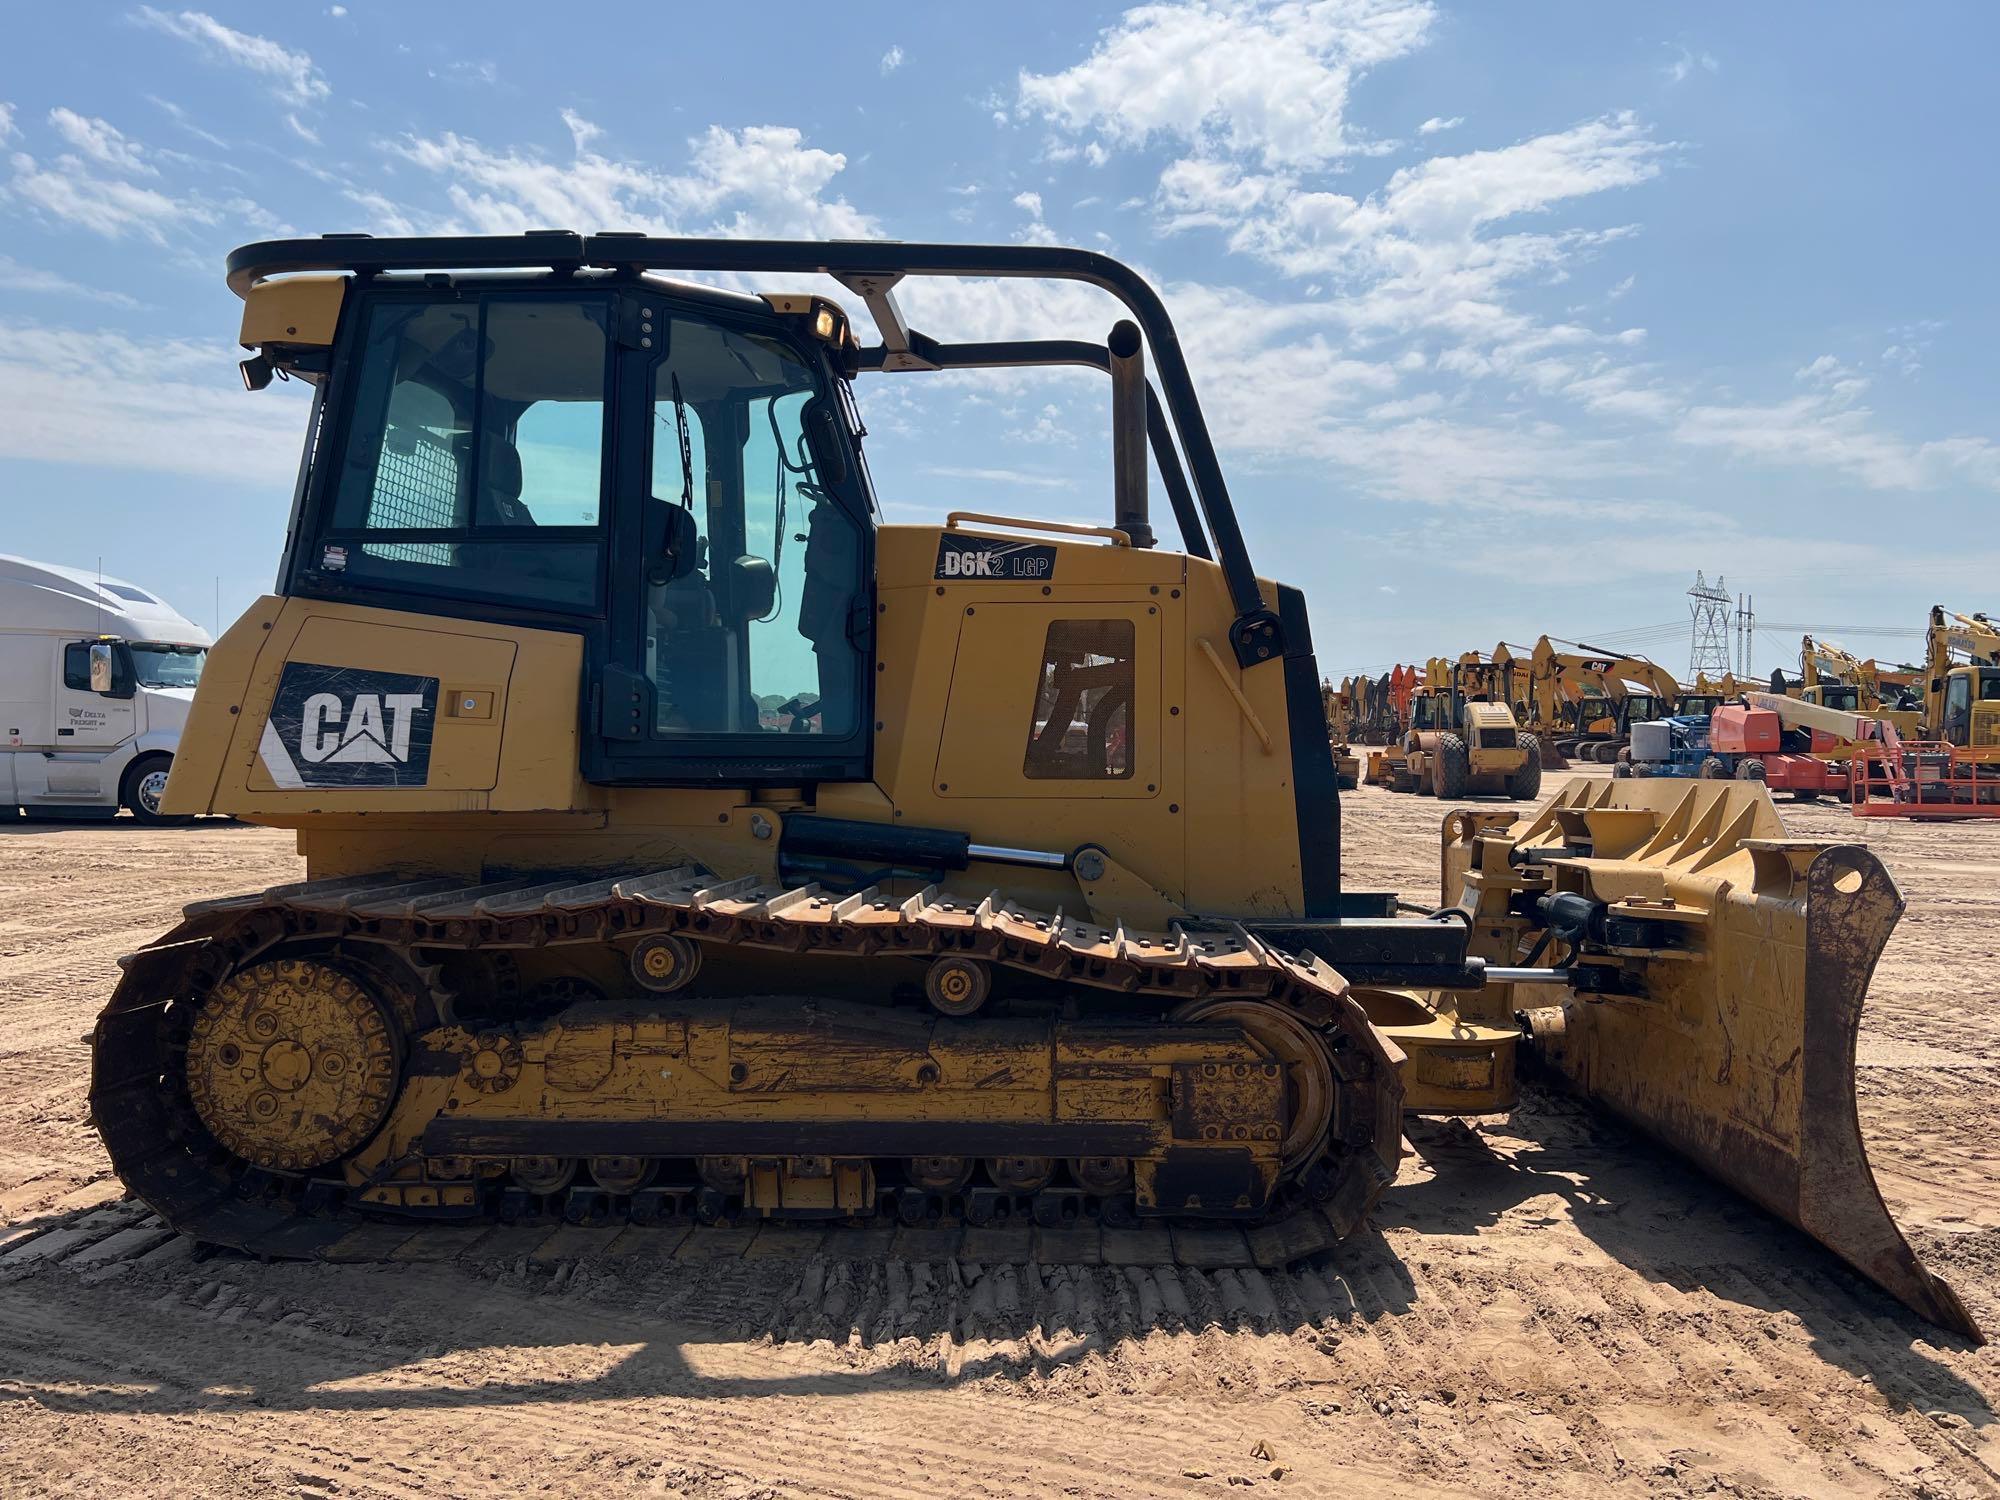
(683, 840)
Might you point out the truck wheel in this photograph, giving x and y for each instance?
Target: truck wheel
(1453, 768)
(1526, 784)
(1621, 771)
(145, 784)
(1750, 770)
(1712, 769)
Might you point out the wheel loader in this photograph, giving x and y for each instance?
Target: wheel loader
(685, 841)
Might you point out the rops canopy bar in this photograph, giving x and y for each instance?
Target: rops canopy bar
(1255, 635)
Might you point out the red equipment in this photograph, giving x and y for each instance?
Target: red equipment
(1924, 779)
(1749, 742)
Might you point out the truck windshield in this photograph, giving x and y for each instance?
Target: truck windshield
(160, 666)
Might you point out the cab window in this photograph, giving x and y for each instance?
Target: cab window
(752, 633)
(474, 457)
(1958, 707)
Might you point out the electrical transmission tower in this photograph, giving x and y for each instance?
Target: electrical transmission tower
(1746, 633)
(1709, 605)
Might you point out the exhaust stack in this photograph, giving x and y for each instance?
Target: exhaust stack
(1128, 432)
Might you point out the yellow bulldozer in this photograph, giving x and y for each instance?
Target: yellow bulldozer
(685, 841)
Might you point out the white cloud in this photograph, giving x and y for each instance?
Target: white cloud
(6, 120)
(16, 277)
(180, 117)
(1048, 429)
(1268, 78)
(336, 11)
(1909, 343)
(1827, 426)
(760, 181)
(1001, 476)
(1419, 258)
(891, 60)
(101, 141)
(290, 75)
(67, 190)
(1435, 124)
(1030, 202)
(98, 398)
(1684, 65)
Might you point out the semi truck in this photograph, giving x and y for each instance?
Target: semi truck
(96, 677)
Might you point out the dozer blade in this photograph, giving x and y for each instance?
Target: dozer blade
(1724, 967)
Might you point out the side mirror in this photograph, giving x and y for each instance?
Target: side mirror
(100, 668)
(753, 588)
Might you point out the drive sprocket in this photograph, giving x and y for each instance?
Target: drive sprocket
(291, 1064)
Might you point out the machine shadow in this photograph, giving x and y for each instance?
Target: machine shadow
(918, 1325)
(737, 1328)
(1657, 1216)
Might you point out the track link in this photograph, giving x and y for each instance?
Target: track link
(167, 1159)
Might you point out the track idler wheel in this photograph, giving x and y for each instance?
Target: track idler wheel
(1309, 1084)
(292, 1064)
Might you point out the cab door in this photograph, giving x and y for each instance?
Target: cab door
(742, 601)
(87, 720)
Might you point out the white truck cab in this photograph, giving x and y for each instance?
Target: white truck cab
(96, 679)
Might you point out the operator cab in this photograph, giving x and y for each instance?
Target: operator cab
(673, 471)
(1844, 696)
(1972, 707)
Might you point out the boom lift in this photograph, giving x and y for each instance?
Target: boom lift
(683, 839)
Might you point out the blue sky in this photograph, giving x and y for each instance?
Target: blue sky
(1508, 317)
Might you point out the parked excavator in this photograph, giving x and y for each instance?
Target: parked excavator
(1833, 677)
(682, 839)
(1961, 683)
(1590, 698)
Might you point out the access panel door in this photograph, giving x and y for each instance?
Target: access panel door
(1054, 700)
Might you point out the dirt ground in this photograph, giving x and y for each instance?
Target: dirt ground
(1544, 1306)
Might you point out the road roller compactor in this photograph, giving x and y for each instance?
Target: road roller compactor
(685, 842)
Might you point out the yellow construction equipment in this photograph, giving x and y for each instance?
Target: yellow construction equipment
(1338, 705)
(1463, 740)
(682, 839)
(1836, 678)
(1961, 683)
(1588, 699)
